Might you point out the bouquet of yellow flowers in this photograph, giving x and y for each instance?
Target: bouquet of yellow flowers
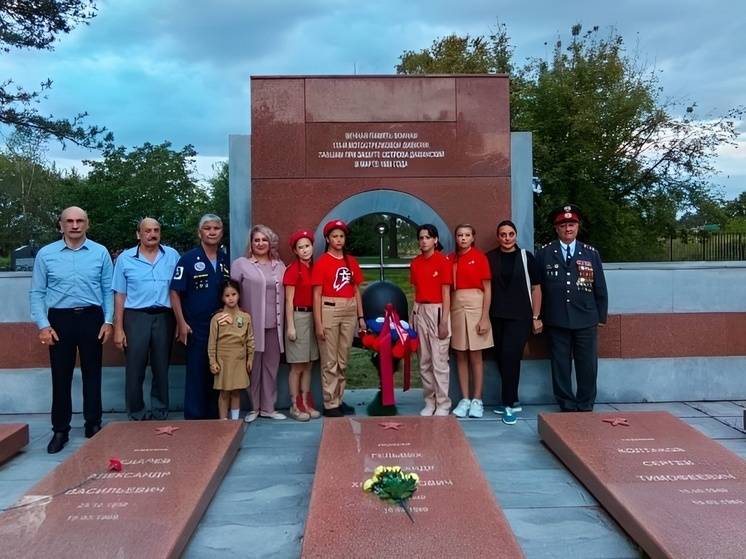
(394, 485)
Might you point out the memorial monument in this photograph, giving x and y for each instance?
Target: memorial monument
(676, 492)
(431, 149)
(137, 489)
(345, 521)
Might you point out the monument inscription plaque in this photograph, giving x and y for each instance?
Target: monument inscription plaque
(137, 489)
(454, 511)
(675, 491)
(13, 437)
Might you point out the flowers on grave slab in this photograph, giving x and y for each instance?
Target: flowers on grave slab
(115, 465)
(393, 485)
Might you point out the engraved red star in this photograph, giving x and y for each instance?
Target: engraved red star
(167, 430)
(391, 425)
(614, 421)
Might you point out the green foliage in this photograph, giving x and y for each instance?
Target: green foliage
(220, 197)
(461, 55)
(37, 24)
(604, 137)
(27, 192)
(399, 239)
(148, 181)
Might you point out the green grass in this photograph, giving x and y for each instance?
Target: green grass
(362, 374)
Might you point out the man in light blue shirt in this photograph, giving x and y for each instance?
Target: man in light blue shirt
(72, 305)
(144, 324)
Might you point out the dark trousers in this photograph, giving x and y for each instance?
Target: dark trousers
(77, 330)
(200, 400)
(510, 338)
(150, 337)
(581, 346)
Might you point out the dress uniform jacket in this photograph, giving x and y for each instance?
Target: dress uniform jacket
(574, 296)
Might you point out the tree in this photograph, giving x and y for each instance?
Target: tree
(27, 191)
(220, 196)
(461, 55)
(604, 137)
(37, 24)
(148, 181)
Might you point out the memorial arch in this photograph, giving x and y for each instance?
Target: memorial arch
(385, 201)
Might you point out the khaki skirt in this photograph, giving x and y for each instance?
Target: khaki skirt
(305, 348)
(466, 310)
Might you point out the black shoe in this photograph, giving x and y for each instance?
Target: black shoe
(347, 409)
(333, 412)
(59, 440)
(91, 430)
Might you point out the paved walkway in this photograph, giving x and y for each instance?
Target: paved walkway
(260, 508)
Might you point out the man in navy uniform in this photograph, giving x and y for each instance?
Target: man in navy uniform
(195, 296)
(575, 303)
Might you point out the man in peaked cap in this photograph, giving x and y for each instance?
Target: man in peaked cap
(575, 303)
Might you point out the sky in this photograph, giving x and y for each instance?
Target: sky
(178, 70)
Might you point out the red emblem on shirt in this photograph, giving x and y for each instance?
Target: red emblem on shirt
(342, 278)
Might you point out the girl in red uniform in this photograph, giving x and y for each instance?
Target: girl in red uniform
(470, 321)
(430, 274)
(301, 348)
(337, 307)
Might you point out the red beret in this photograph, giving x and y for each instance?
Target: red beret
(298, 235)
(335, 224)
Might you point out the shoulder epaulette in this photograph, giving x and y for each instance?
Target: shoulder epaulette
(589, 247)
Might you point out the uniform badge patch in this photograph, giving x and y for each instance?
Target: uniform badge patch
(199, 266)
(179, 272)
(342, 277)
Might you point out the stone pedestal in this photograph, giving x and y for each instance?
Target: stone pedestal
(13, 437)
(136, 489)
(454, 510)
(677, 493)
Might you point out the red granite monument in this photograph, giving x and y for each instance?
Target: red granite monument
(344, 521)
(676, 492)
(136, 489)
(13, 437)
(440, 142)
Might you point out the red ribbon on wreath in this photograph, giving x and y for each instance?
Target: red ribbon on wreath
(386, 354)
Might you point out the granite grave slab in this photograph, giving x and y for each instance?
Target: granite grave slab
(454, 511)
(13, 437)
(136, 489)
(676, 492)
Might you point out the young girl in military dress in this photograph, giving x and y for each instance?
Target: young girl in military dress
(231, 350)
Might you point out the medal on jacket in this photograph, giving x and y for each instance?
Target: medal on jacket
(585, 275)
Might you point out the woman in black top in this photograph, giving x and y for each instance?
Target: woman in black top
(514, 311)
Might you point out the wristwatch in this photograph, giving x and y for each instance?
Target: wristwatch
(536, 317)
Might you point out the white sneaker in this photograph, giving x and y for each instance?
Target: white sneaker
(428, 410)
(443, 410)
(462, 409)
(251, 416)
(273, 415)
(476, 409)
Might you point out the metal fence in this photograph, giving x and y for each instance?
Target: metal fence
(705, 246)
